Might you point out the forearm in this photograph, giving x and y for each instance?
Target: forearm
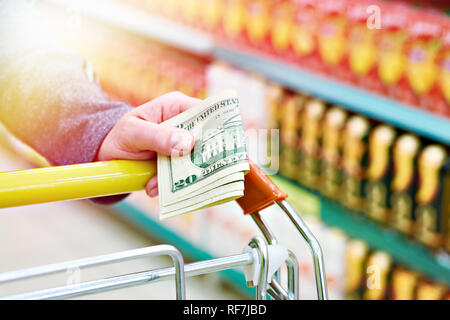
(47, 99)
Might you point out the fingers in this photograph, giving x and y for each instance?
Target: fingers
(152, 187)
(141, 135)
(166, 106)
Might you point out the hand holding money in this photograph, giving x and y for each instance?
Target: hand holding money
(213, 172)
(139, 135)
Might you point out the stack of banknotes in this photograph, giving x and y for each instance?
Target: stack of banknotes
(213, 173)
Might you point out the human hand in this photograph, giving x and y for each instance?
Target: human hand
(138, 135)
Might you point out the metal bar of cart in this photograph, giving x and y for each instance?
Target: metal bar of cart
(260, 249)
(139, 278)
(313, 244)
(263, 256)
(120, 176)
(152, 251)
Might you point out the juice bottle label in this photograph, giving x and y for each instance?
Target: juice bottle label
(192, 10)
(362, 49)
(332, 40)
(379, 172)
(212, 12)
(403, 184)
(282, 26)
(234, 18)
(310, 143)
(354, 159)
(377, 271)
(304, 32)
(331, 151)
(431, 212)
(257, 20)
(444, 69)
(391, 56)
(422, 70)
(355, 256)
(404, 284)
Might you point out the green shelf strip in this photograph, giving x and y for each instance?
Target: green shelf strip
(357, 100)
(158, 231)
(303, 201)
(402, 250)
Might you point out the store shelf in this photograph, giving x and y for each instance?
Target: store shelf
(374, 106)
(144, 23)
(157, 230)
(198, 42)
(402, 250)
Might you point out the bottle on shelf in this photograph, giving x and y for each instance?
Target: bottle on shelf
(282, 26)
(331, 152)
(404, 183)
(378, 269)
(379, 173)
(421, 58)
(308, 172)
(332, 37)
(433, 196)
(356, 253)
(354, 162)
(391, 42)
(291, 125)
(404, 282)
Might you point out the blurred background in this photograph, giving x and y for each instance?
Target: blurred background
(358, 93)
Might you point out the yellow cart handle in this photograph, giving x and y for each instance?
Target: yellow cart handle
(78, 181)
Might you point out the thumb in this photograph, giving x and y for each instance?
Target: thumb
(150, 136)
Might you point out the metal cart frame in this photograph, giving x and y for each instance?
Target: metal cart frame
(261, 259)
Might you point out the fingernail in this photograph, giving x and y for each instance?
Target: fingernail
(181, 143)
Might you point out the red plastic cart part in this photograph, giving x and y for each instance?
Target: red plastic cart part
(259, 191)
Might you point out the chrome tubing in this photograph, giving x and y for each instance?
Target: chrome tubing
(316, 250)
(263, 255)
(139, 278)
(158, 250)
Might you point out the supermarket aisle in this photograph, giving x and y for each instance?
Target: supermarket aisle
(50, 233)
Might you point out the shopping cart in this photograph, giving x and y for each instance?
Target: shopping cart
(261, 260)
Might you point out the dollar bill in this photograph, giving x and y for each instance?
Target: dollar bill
(213, 172)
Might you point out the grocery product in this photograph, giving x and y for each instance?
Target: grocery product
(444, 71)
(257, 21)
(354, 162)
(282, 23)
(378, 268)
(404, 183)
(362, 50)
(432, 198)
(292, 123)
(234, 18)
(211, 13)
(304, 34)
(391, 42)
(331, 153)
(404, 284)
(309, 143)
(379, 173)
(332, 37)
(422, 50)
(427, 290)
(355, 257)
